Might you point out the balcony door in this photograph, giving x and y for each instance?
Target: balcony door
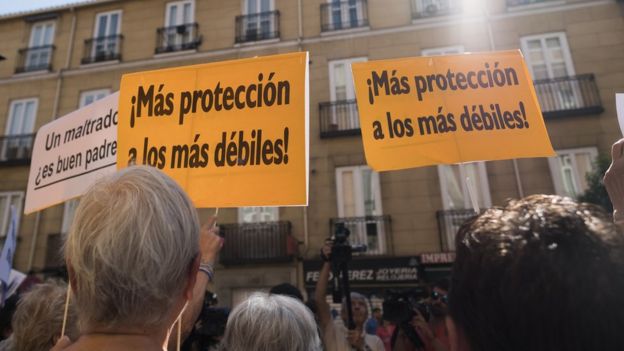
(40, 46)
(345, 13)
(548, 58)
(456, 196)
(178, 17)
(259, 22)
(359, 199)
(21, 122)
(342, 94)
(569, 170)
(107, 28)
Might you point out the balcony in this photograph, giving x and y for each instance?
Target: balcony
(434, 8)
(373, 231)
(265, 242)
(568, 96)
(514, 3)
(338, 15)
(102, 49)
(177, 38)
(258, 26)
(35, 59)
(449, 222)
(339, 118)
(15, 150)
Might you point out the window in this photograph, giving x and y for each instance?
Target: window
(454, 187)
(341, 113)
(432, 8)
(456, 197)
(359, 195)
(22, 115)
(15, 198)
(447, 50)
(346, 13)
(92, 96)
(569, 170)
(548, 57)
(106, 35)
(40, 46)
(19, 127)
(341, 79)
(178, 13)
(260, 21)
(179, 18)
(258, 214)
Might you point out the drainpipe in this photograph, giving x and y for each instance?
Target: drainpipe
(70, 48)
(300, 25)
(493, 48)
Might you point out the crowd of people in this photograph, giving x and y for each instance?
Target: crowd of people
(540, 273)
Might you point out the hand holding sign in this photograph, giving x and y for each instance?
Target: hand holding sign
(450, 109)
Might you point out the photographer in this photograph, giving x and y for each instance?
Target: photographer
(336, 336)
(420, 325)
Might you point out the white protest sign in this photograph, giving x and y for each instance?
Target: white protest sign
(619, 104)
(71, 153)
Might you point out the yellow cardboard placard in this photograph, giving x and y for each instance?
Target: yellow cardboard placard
(232, 133)
(448, 109)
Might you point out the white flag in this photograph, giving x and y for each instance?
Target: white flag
(8, 251)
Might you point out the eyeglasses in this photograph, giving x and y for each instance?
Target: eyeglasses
(437, 296)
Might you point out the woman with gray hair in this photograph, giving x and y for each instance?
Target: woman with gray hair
(133, 256)
(266, 322)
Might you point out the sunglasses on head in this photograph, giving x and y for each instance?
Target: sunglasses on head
(437, 296)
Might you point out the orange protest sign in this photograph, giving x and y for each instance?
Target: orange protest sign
(231, 133)
(448, 109)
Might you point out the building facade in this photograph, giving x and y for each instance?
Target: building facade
(60, 59)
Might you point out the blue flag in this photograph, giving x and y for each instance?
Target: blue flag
(8, 251)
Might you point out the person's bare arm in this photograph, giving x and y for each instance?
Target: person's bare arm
(209, 245)
(322, 307)
(614, 182)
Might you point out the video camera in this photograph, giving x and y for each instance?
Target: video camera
(400, 306)
(342, 252)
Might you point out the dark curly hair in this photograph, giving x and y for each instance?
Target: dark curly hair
(543, 273)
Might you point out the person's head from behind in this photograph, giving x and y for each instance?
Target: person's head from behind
(359, 307)
(132, 252)
(268, 322)
(287, 290)
(541, 273)
(38, 320)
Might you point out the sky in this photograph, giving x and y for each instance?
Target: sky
(13, 6)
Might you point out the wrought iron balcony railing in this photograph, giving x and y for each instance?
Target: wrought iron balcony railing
(373, 231)
(435, 8)
(512, 3)
(337, 15)
(258, 26)
(178, 38)
(449, 222)
(339, 118)
(263, 242)
(35, 59)
(568, 96)
(16, 149)
(102, 49)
